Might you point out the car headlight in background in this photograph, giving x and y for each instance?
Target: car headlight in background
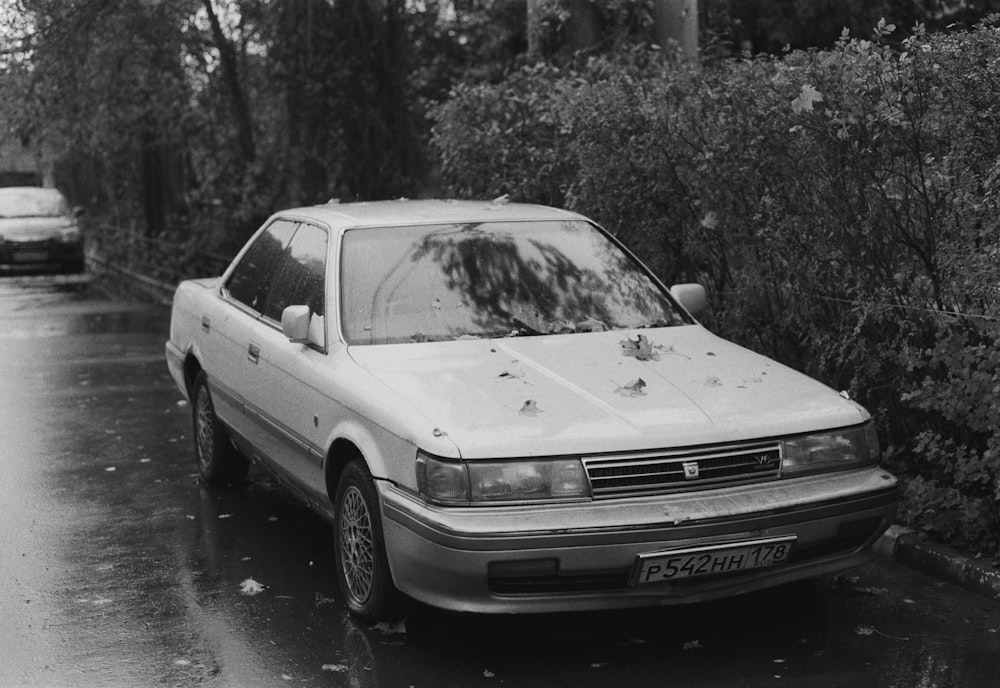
(831, 450)
(69, 235)
(518, 480)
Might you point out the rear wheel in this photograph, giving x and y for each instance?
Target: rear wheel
(362, 566)
(219, 462)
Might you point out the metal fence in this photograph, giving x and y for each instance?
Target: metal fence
(153, 265)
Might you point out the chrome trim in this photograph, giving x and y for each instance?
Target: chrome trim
(674, 470)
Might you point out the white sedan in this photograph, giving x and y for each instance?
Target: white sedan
(500, 409)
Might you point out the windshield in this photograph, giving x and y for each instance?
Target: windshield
(32, 202)
(492, 279)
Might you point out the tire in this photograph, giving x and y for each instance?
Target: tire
(219, 462)
(362, 566)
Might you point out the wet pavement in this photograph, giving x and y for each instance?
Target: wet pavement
(117, 568)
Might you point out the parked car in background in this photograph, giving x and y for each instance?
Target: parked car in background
(39, 231)
(500, 409)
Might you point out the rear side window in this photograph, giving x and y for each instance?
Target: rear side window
(251, 280)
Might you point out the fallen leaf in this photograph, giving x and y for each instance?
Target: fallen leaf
(530, 408)
(251, 587)
(336, 668)
(513, 371)
(641, 349)
(488, 674)
(864, 630)
(633, 389)
(711, 381)
(693, 645)
(391, 628)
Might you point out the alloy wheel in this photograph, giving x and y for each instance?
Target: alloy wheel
(357, 551)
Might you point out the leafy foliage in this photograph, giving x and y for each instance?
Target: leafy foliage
(841, 207)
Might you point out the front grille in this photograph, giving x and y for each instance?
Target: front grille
(36, 245)
(669, 471)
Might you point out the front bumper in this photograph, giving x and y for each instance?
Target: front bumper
(175, 364)
(563, 557)
(49, 255)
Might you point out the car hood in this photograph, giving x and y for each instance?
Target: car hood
(33, 228)
(599, 392)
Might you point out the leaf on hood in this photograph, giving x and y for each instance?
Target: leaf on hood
(514, 371)
(636, 388)
(530, 408)
(641, 349)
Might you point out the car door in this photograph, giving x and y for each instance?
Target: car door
(229, 350)
(285, 397)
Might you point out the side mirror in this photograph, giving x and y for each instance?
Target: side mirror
(691, 296)
(295, 323)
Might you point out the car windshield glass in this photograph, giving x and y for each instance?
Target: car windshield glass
(32, 203)
(492, 279)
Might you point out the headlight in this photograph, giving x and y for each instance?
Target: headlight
(828, 451)
(69, 235)
(520, 480)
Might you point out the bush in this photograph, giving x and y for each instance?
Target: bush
(841, 207)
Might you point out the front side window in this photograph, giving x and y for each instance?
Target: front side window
(251, 280)
(493, 279)
(301, 280)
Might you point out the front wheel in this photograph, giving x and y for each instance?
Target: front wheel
(362, 566)
(219, 462)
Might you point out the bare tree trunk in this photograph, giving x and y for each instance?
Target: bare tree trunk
(677, 21)
(583, 29)
(241, 111)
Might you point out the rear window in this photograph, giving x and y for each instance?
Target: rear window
(493, 279)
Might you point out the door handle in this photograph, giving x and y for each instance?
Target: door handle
(253, 352)
(206, 323)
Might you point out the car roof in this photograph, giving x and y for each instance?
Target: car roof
(422, 212)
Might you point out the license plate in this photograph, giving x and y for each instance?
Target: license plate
(657, 567)
(31, 257)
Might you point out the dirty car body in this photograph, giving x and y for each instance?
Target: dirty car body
(39, 232)
(501, 410)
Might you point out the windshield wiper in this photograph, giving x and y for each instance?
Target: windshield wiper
(523, 329)
(655, 323)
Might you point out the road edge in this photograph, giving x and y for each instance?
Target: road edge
(903, 546)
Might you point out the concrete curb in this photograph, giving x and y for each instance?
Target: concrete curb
(903, 546)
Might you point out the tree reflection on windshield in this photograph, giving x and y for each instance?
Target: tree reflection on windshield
(494, 279)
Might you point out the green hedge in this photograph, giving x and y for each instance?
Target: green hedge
(840, 206)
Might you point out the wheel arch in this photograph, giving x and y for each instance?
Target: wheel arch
(192, 366)
(342, 452)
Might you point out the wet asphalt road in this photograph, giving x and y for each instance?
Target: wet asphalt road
(117, 568)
